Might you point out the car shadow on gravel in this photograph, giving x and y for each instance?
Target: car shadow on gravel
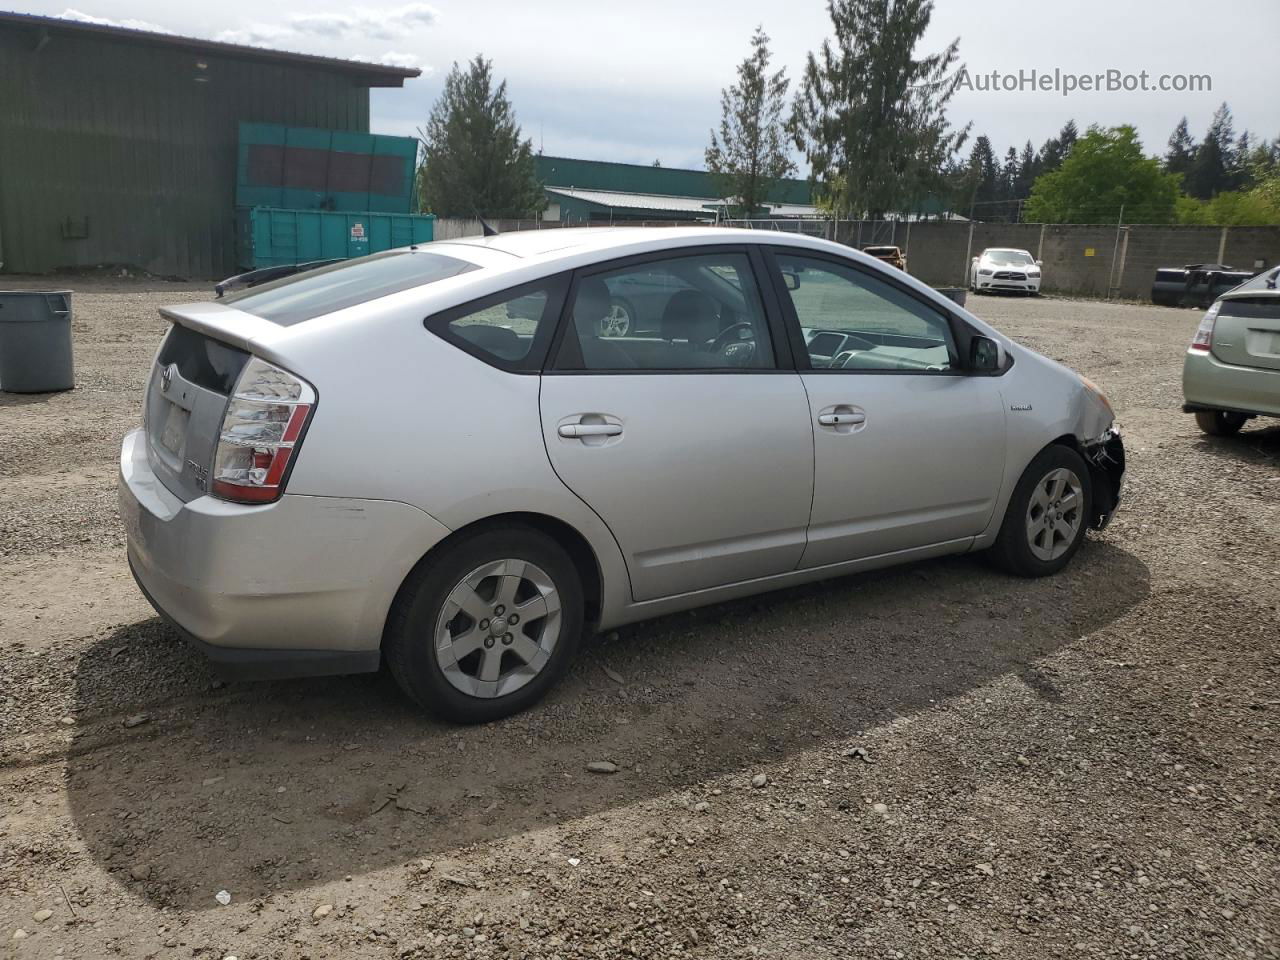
(1258, 442)
(182, 787)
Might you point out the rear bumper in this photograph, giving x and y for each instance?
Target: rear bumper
(298, 587)
(1210, 384)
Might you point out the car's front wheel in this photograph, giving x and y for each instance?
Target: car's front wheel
(487, 626)
(1047, 515)
(1220, 423)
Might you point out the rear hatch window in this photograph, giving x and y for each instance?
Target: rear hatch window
(304, 296)
(185, 402)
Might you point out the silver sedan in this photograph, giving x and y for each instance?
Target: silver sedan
(442, 458)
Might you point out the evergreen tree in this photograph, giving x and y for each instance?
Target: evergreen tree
(1009, 175)
(1239, 175)
(869, 115)
(475, 162)
(1209, 173)
(1182, 149)
(750, 155)
(1055, 149)
(1028, 170)
(983, 177)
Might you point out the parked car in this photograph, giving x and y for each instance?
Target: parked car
(1195, 285)
(1231, 373)
(890, 255)
(373, 461)
(999, 268)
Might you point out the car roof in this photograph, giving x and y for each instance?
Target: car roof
(539, 242)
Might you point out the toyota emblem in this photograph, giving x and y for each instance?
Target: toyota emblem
(166, 377)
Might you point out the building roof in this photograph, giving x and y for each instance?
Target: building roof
(658, 203)
(617, 200)
(637, 178)
(373, 74)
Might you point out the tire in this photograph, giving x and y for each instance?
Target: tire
(1220, 423)
(1029, 545)
(447, 666)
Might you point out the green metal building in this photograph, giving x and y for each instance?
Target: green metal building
(581, 191)
(119, 147)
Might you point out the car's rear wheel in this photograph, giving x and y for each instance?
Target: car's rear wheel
(486, 627)
(1047, 515)
(1220, 423)
(618, 321)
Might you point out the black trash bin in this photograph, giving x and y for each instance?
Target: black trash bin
(35, 341)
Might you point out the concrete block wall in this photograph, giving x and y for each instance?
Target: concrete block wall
(1087, 260)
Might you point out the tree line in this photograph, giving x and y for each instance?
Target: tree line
(869, 117)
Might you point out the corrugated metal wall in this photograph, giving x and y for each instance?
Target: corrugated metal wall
(116, 152)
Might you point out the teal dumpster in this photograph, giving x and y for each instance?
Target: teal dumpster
(272, 237)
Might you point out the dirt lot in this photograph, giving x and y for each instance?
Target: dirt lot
(1077, 767)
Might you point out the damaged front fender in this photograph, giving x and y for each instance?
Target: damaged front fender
(1105, 456)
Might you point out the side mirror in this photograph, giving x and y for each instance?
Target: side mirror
(985, 355)
(792, 279)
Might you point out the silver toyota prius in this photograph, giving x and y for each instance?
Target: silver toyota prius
(453, 459)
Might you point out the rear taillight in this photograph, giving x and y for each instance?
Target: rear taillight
(1203, 340)
(266, 415)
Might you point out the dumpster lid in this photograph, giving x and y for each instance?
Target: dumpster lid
(24, 317)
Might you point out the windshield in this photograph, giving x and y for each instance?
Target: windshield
(1009, 258)
(304, 296)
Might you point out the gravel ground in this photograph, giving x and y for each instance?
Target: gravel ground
(933, 761)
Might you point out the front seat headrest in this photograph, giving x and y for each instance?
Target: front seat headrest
(690, 315)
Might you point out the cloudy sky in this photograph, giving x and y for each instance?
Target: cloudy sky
(639, 82)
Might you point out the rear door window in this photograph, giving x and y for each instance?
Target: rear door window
(304, 296)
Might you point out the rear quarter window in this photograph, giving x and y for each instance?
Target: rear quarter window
(304, 296)
(510, 330)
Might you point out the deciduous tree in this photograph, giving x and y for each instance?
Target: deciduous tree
(1105, 171)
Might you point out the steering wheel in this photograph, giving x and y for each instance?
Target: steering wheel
(737, 349)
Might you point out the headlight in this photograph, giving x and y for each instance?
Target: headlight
(1097, 392)
(1033, 272)
(985, 271)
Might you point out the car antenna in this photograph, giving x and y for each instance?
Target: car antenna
(486, 230)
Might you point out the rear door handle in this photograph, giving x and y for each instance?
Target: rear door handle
(841, 419)
(575, 430)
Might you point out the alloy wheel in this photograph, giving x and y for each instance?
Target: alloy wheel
(498, 628)
(617, 322)
(1055, 514)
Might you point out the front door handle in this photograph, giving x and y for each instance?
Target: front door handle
(577, 430)
(841, 419)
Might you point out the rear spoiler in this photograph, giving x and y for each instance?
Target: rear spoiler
(243, 281)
